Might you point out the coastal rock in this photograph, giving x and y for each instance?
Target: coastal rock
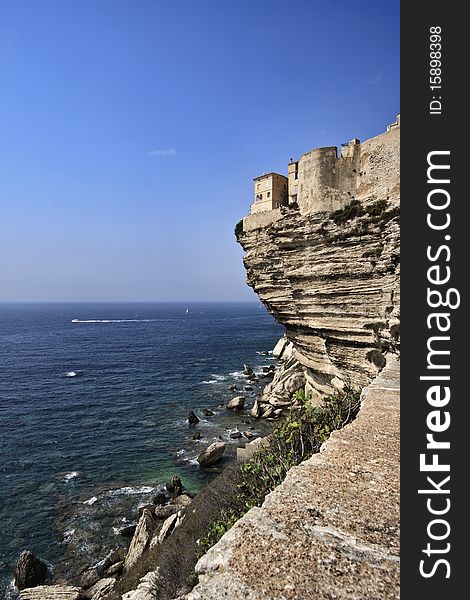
(211, 455)
(196, 436)
(159, 499)
(280, 347)
(52, 592)
(167, 527)
(174, 486)
(163, 512)
(147, 588)
(115, 569)
(207, 413)
(127, 530)
(30, 571)
(142, 536)
(248, 370)
(256, 411)
(248, 434)
(248, 388)
(183, 501)
(101, 589)
(232, 387)
(236, 403)
(235, 435)
(192, 418)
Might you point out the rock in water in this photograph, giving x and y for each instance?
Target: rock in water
(142, 536)
(51, 592)
(174, 486)
(247, 370)
(192, 418)
(232, 387)
(207, 413)
(235, 435)
(212, 454)
(159, 499)
(236, 403)
(30, 571)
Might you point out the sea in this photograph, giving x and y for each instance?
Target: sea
(94, 401)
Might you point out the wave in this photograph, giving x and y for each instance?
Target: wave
(71, 374)
(131, 491)
(113, 320)
(91, 501)
(72, 475)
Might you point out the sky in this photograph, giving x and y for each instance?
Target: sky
(131, 130)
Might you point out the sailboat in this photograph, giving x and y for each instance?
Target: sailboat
(187, 311)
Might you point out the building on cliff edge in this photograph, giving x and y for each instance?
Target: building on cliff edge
(325, 180)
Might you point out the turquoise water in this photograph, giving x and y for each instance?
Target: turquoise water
(94, 400)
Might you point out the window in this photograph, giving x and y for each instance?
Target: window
(269, 194)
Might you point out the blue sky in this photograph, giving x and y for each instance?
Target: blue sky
(131, 130)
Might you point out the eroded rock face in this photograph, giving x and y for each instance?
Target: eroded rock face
(333, 280)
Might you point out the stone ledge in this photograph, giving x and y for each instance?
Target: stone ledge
(331, 529)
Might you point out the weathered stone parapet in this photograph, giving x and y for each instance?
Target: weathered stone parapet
(331, 529)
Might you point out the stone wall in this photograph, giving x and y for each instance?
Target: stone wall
(328, 182)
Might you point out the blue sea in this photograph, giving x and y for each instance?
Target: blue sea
(93, 406)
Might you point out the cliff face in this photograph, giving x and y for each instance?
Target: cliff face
(332, 278)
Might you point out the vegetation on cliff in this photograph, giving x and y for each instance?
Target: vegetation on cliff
(292, 441)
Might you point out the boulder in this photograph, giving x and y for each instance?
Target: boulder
(212, 454)
(89, 578)
(280, 347)
(159, 499)
(248, 370)
(149, 507)
(183, 500)
(208, 413)
(30, 571)
(235, 435)
(248, 388)
(163, 512)
(197, 435)
(236, 403)
(255, 411)
(248, 434)
(167, 527)
(127, 530)
(192, 418)
(252, 377)
(174, 486)
(147, 588)
(142, 536)
(52, 592)
(115, 569)
(101, 589)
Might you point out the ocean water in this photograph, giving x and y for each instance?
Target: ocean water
(93, 407)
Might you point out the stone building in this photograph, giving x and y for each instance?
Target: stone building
(270, 192)
(325, 180)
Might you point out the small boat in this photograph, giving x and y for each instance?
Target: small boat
(187, 311)
(74, 320)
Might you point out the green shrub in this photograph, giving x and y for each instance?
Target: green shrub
(292, 441)
(239, 228)
(350, 211)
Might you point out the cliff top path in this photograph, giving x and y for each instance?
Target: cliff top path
(331, 529)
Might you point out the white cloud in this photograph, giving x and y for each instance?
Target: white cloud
(372, 80)
(168, 152)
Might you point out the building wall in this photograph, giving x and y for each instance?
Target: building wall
(328, 183)
(270, 192)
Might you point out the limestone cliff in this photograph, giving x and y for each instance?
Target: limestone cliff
(331, 278)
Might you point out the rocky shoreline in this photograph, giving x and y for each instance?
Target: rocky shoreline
(160, 511)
